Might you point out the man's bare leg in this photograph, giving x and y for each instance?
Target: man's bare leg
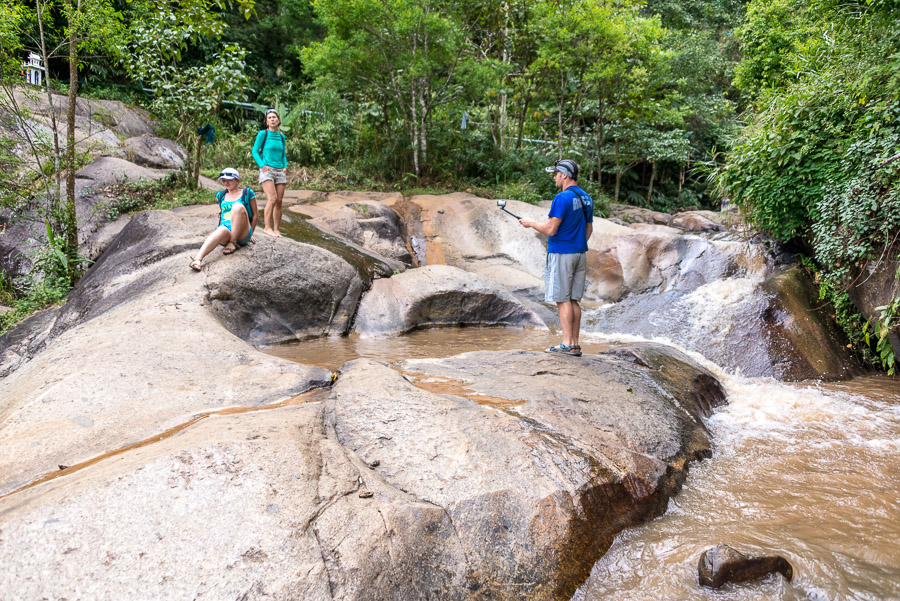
(565, 320)
(575, 324)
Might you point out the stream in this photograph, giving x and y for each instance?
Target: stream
(805, 470)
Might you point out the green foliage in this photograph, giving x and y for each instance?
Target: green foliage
(883, 326)
(826, 126)
(36, 294)
(814, 162)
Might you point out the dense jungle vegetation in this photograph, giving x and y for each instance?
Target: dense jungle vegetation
(787, 108)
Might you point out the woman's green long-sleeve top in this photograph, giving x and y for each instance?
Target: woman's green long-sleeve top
(268, 149)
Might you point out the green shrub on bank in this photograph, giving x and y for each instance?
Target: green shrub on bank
(813, 165)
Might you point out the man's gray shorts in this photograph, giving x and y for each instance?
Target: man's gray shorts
(564, 277)
(277, 176)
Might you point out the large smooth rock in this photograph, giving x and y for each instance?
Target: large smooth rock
(722, 564)
(142, 342)
(438, 295)
(536, 460)
(112, 114)
(776, 327)
(473, 234)
(153, 151)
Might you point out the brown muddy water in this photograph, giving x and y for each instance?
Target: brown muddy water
(809, 471)
(333, 352)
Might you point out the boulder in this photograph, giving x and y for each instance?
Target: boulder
(122, 119)
(506, 490)
(695, 221)
(722, 564)
(438, 295)
(157, 343)
(153, 151)
(536, 460)
(473, 234)
(630, 214)
(776, 327)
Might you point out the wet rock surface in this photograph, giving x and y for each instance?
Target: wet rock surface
(722, 565)
(438, 295)
(774, 328)
(363, 218)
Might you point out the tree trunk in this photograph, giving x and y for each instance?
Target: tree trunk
(680, 179)
(423, 128)
(522, 116)
(652, 177)
(195, 179)
(503, 96)
(559, 117)
(70, 218)
(415, 127)
(618, 172)
(600, 141)
(52, 196)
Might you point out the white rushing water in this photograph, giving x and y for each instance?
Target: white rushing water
(807, 471)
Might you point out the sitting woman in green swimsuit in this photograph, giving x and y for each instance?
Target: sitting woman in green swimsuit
(237, 218)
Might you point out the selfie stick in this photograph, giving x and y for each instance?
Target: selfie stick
(502, 205)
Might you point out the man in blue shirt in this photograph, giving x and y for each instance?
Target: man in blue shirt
(568, 228)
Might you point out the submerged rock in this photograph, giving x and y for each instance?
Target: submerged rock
(722, 564)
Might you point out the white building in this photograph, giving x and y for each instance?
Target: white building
(34, 69)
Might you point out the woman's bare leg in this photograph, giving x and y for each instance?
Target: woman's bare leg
(277, 210)
(268, 187)
(220, 235)
(240, 225)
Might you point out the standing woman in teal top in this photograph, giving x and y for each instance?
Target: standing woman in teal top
(269, 154)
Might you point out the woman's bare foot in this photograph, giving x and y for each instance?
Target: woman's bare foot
(269, 232)
(195, 264)
(229, 248)
(278, 234)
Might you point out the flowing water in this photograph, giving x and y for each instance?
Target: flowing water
(808, 471)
